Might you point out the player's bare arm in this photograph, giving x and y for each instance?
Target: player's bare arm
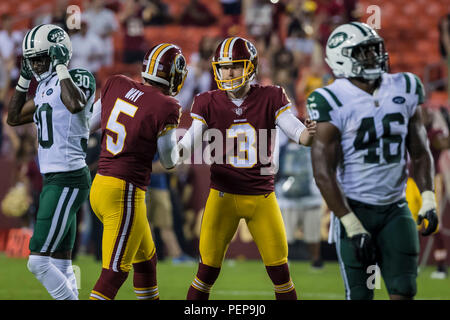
(325, 153)
(327, 142)
(20, 111)
(423, 171)
(72, 97)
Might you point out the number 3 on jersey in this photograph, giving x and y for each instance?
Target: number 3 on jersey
(118, 128)
(246, 149)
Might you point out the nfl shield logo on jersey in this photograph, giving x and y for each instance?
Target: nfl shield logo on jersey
(238, 111)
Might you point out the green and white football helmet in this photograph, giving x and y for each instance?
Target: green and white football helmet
(37, 43)
(355, 50)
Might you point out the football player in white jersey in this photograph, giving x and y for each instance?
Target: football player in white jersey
(369, 121)
(61, 110)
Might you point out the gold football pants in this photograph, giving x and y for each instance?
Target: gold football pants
(121, 208)
(221, 218)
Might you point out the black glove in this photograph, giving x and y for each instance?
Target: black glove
(364, 248)
(433, 221)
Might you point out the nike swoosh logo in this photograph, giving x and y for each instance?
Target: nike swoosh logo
(401, 205)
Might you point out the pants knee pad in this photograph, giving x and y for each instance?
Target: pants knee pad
(403, 285)
(38, 264)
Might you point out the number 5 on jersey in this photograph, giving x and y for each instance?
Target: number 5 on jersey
(118, 128)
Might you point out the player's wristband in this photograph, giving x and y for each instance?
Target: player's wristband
(62, 72)
(352, 224)
(428, 196)
(23, 84)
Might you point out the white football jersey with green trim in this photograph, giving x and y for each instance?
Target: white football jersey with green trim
(373, 131)
(62, 136)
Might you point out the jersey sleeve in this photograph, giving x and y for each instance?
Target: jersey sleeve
(171, 119)
(84, 80)
(281, 103)
(199, 109)
(414, 87)
(320, 108)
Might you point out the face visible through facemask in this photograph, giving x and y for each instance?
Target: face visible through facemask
(232, 71)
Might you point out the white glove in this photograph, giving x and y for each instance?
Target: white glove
(428, 213)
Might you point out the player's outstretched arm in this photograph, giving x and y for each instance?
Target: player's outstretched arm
(168, 149)
(73, 98)
(423, 171)
(21, 111)
(325, 152)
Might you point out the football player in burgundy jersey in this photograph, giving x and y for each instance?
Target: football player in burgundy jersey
(243, 118)
(137, 120)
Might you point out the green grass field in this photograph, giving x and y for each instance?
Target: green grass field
(239, 280)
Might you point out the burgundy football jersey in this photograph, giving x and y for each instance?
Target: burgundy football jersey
(248, 133)
(133, 117)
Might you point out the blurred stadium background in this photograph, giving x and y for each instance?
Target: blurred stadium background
(112, 38)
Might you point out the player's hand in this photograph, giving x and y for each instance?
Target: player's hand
(427, 214)
(59, 54)
(360, 238)
(25, 71)
(307, 135)
(311, 126)
(364, 248)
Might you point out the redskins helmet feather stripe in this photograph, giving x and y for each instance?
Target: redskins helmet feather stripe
(155, 56)
(165, 64)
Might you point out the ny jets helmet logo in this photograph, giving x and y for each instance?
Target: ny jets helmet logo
(337, 39)
(56, 35)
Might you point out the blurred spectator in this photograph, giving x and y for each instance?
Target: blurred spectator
(299, 199)
(301, 32)
(26, 172)
(92, 53)
(312, 77)
(329, 13)
(102, 22)
(96, 227)
(197, 14)
(134, 43)
(156, 13)
(58, 15)
(284, 71)
(232, 10)
(200, 77)
(444, 46)
(258, 18)
(11, 45)
(160, 214)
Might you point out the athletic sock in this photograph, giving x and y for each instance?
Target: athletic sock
(51, 277)
(282, 282)
(65, 266)
(108, 284)
(203, 282)
(144, 280)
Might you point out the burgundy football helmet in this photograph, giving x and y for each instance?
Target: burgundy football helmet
(165, 64)
(235, 50)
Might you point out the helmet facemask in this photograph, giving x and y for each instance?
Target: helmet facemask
(248, 73)
(46, 72)
(369, 59)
